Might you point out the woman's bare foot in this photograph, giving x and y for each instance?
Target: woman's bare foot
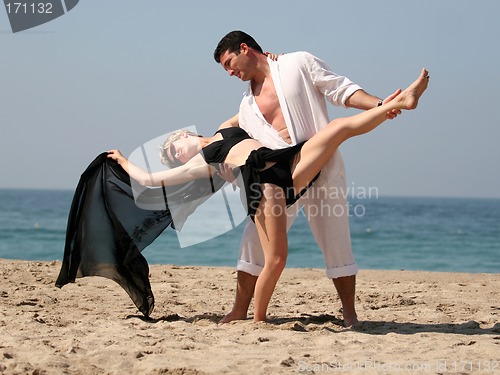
(412, 94)
(233, 315)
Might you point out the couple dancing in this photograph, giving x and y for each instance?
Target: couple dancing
(272, 178)
(285, 104)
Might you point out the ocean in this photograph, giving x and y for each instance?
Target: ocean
(430, 234)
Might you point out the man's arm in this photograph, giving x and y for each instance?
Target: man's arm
(360, 99)
(225, 171)
(340, 90)
(232, 122)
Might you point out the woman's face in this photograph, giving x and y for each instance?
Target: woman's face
(183, 149)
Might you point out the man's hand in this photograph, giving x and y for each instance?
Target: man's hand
(395, 112)
(226, 173)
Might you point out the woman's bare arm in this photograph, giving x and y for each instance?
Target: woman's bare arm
(194, 169)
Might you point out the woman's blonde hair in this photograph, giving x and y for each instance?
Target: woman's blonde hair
(168, 143)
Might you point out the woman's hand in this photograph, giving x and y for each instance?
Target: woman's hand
(272, 56)
(117, 156)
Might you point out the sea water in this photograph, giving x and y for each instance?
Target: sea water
(431, 234)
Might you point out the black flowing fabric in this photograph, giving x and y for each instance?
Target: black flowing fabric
(107, 230)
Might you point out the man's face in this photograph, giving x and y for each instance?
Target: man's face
(236, 64)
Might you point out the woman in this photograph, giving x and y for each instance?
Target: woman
(272, 179)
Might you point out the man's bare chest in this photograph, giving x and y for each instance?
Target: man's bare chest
(269, 105)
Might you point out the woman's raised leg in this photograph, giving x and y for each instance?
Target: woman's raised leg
(270, 220)
(321, 147)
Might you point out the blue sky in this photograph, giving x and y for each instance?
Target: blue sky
(118, 73)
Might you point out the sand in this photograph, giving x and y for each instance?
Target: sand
(413, 322)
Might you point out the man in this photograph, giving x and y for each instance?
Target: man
(285, 104)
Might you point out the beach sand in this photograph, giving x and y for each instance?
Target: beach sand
(413, 322)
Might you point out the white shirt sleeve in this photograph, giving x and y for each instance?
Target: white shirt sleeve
(335, 88)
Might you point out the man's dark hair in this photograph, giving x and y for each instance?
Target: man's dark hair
(232, 41)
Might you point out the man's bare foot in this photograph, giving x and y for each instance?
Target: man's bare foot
(232, 316)
(412, 94)
(350, 321)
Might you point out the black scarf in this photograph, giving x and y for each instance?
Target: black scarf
(107, 229)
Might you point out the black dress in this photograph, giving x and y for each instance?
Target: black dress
(253, 172)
